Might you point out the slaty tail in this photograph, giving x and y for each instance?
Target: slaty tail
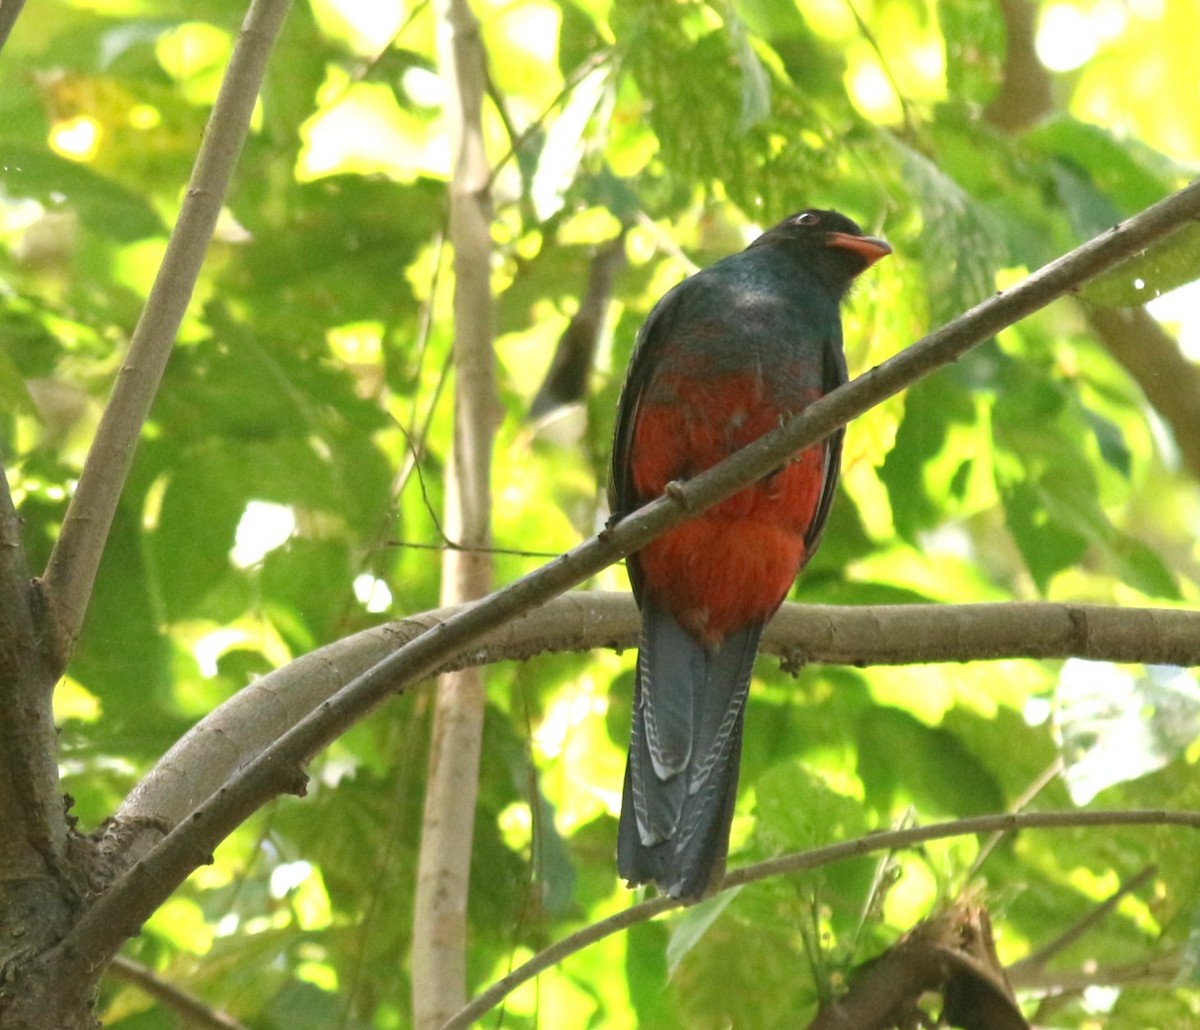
(681, 780)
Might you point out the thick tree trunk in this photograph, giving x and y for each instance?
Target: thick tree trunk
(40, 891)
(49, 874)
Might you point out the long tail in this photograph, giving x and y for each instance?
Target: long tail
(681, 779)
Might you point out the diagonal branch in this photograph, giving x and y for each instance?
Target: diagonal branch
(801, 861)
(10, 11)
(71, 571)
(1037, 962)
(133, 897)
(189, 1008)
(1153, 359)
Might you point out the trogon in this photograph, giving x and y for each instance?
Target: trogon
(723, 358)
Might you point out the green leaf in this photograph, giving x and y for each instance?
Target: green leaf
(14, 396)
(646, 974)
(1128, 173)
(341, 238)
(918, 484)
(1141, 567)
(1051, 496)
(975, 42)
(199, 515)
(1113, 447)
(696, 118)
(104, 206)
(123, 656)
(306, 586)
(797, 810)
(756, 84)
(303, 1006)
(960, 242)
(1046, 546)
(772, 19)
(901, 759)
(689, 929)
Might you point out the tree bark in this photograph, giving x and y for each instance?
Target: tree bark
(39, 890)
(1153, 359)
(443, 872)
(1137, 342)
(1025, 94)
(49, 874)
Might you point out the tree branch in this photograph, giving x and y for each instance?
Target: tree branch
(1025, 92)
(1161, 969)
(566, 380)
(14, 572)
(33, 830)
(71, 571)
(953, 953)
(250, 721)
(1170, 382)
(1153, 360)
(10, 11)
(191, 1010)
(1035, 963)
(801, 861)
(439, 949)
(133, 897)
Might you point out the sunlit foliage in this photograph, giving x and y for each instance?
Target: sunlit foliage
(287, 488)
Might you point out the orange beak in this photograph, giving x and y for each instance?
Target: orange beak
(869, 248)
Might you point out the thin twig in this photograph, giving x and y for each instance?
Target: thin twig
(415, 449)
(71, 571)
(1055, 985)
(1094, 917)
(808, 860)
(134, 896)
(910, 123)
(516, 140)
(1043, 780)
(450, 545)
(189, 1008)
(664, 243)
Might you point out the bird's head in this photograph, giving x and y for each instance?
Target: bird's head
(828, 239)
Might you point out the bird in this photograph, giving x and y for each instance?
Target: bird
(723, 358)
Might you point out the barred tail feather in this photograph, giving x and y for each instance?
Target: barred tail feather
(681, 779)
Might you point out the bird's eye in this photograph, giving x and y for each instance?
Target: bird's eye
(808, 218)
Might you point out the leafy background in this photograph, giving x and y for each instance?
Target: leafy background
(286, 489)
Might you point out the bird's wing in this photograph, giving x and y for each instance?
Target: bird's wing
(834, 375)
(622, 497)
